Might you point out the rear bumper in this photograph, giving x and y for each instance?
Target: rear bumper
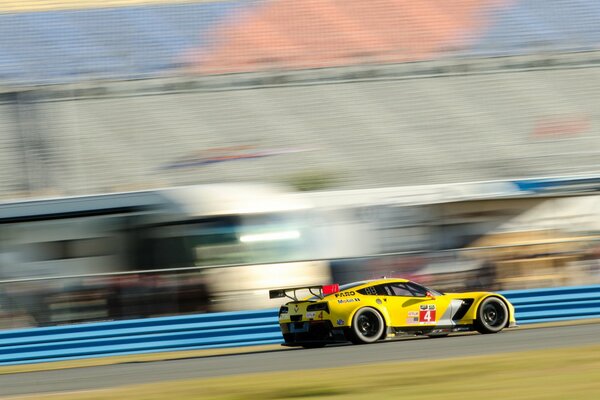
(311, 332)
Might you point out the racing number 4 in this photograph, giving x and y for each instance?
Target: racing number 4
(427, 316)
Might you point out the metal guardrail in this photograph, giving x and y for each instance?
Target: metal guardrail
(199, 331)
(235, 329)
(555, 304)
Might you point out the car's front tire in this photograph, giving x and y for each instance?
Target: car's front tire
(367, 326)
(492, 315)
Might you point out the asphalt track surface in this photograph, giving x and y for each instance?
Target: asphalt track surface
(298, 359)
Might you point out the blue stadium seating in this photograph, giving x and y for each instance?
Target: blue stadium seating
(139, 41)
(42, 47)
(541, 25)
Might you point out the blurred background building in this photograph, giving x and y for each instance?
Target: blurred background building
(416, 131)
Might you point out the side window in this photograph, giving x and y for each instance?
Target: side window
(379, 290)
(399, 289)
(384, 290)
(418, 290)
(368, 291)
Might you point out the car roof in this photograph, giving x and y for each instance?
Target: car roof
(370, 282)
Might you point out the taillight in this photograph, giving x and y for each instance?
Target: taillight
(283, 310)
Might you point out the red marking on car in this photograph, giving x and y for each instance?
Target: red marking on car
(330, 289)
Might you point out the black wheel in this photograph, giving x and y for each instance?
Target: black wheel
(492, 316)
(367, 326)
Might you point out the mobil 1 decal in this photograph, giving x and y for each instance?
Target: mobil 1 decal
(427, 313)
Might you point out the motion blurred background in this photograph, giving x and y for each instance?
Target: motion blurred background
(169, 157)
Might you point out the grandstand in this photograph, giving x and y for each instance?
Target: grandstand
(455, 112)
(63, 41)
(369, 133)
(103, 43)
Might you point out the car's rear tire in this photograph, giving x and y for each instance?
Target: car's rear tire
(492, 316)
(367, 326)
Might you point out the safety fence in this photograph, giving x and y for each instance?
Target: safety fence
(235, 329)
(555, 304)
(149, 335)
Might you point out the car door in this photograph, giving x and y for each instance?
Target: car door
(384, 295)
(411, 305)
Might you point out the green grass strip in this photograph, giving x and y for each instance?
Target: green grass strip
(567, 373)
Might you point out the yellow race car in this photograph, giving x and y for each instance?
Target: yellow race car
(368, 311)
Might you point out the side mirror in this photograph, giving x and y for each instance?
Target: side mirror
(430, 295)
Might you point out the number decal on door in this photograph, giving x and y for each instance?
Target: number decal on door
(427, 314)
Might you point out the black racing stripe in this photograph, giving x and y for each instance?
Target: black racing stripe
(462, 310)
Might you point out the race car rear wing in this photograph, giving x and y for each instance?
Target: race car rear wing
(318, 291)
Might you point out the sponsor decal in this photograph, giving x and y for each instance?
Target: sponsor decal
(346, 294)
(340, 322)
(427, 316)
(311, 314)
(296, 308)
(341, 301)
(423, 307)
(413, 313)
(320, 316)
(412, 320)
